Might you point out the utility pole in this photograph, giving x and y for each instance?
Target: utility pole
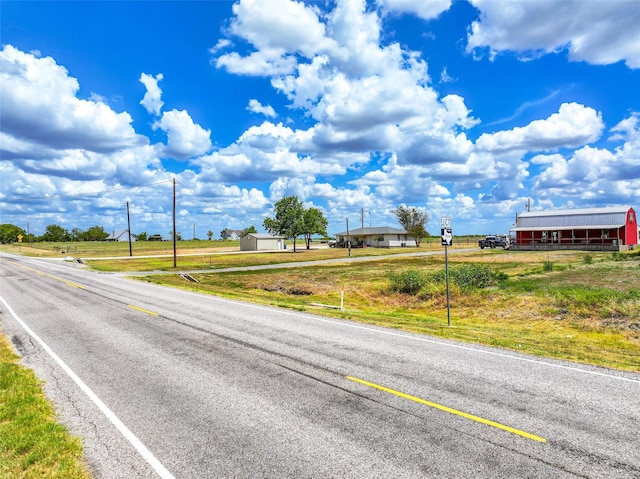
(129, 229)
(174, 223)
(348, 238)
(362, 218)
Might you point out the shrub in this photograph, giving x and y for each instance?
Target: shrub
(587, 259)
(464, 277)
(500, 276)
(410, 281)
(469, 276)
(547, 266)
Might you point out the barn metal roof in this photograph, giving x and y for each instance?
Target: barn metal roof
(591, 218)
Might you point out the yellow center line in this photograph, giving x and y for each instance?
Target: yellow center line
(449, 410)
(143, 310)
(50, 276)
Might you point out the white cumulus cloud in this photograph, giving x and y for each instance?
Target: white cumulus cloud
(186, 139)
(41, 110)
(423, 9)
(593, 31)
(152, 98)
(257, 107)
(572, 126)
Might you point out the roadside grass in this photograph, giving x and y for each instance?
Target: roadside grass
(195, 254)
(229, 259)
(144, 248)
(115, 248)
(32, 444)
(587, 313)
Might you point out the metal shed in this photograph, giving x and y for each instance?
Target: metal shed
(261, 242)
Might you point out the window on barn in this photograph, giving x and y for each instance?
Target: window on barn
(604, 234)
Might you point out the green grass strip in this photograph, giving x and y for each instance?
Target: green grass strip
(32, 443)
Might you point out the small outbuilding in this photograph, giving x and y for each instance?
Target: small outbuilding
(593, 229)
(377, 237)
(261, 242)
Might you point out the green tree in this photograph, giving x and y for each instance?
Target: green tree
(55, 233)
(209, 234)
(412, 220)
(314, 223)
(76, 234)
(246, 231)
(143, 236)
(288, 220)
(9, 233)
(95, 233)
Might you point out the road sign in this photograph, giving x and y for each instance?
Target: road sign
(445, 231)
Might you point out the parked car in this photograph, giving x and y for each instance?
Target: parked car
(494, 241)
(332, 243)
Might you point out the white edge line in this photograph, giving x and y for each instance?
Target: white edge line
(124, 430)
(347, 323)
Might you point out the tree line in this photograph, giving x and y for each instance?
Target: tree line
(10, 233)
(291, 220)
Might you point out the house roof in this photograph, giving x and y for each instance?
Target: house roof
(376, 230)
(264, 236)
(591, 218)
(118, 233)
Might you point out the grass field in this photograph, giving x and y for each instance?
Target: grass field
(32, 444)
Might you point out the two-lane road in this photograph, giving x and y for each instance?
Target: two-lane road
(162, 382)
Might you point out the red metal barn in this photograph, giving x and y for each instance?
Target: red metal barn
(597, 229)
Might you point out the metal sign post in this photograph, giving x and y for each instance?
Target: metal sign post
(447, 240)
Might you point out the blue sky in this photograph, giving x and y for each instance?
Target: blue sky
(460, 108)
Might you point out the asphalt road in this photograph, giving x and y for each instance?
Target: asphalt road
(166, 383)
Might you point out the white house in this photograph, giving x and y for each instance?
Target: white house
(231, 234)
(377, 237)
(121, 235)
(261, 242)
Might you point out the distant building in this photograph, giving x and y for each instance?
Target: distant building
(604, 229)
(229, 234)
(121, 235)
(377, 237)
(261, 242)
